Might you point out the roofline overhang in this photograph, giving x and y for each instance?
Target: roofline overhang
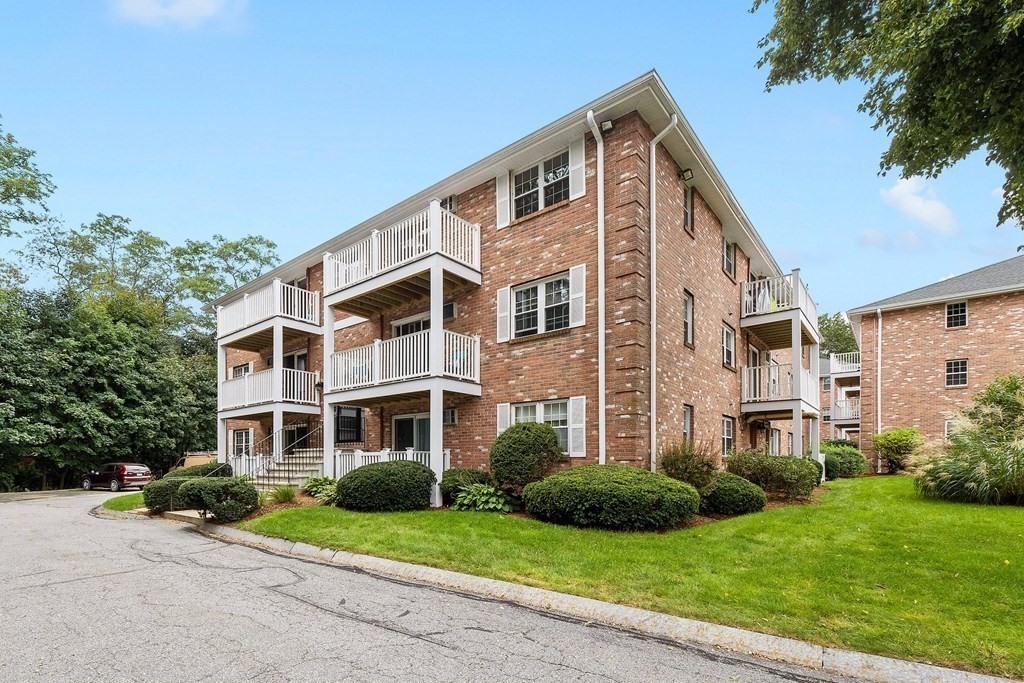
(976, 294)
(492, 164)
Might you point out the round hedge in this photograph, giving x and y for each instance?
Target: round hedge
(162, 495)
(728, 494)
(454, 480)
(229, 499)
(611, 497)
(524, 453)
(394, 486)
(833, 466)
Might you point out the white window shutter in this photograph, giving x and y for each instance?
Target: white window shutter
(577, 295)
(504, 415)
(577, 426)
(502, 203)
(577, 169)
(504, 314)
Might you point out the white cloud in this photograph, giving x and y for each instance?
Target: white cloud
(187, 13)
(874, 238)
(910, 241)
(911, 197)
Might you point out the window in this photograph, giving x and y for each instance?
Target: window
(948, 429)
(729, 257)
(296, 360)
(348, 424)
(450, 203)
(299, 282)
(956, 315)
(826, 384)
(789, 443)
(728, 346)
(956, 373)
(449, 311)
(243, 441)
(554, 413)
(241, 370)
(688, 318)
(405, 326)
(688, 209)
(774, 441)
(542, 306)
(687, 422)
(450, 416)
(542, 185)
(826, 414)
(728, 434)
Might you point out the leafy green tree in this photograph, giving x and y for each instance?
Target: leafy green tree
(211, 269)
(943, 78)
(23, 187)
(836, 334)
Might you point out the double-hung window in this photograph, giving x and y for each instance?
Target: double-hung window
(687, 422)
(243, 441)
(542, 306)
(348, 424)
(826, 384)
(728, 434)
(545, 184)
(688, 317)
(728, 346)
(956, 373)
(241, 370)
(956, 315)
(554, 413)
(728, 257)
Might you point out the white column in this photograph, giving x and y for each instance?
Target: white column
(278, 373)
(798, 432)
(436, 345)
(222, 436)
(222, 440)
(436, 441)
(278, 443)
(815, 449)
(328, 416)
(434, 214)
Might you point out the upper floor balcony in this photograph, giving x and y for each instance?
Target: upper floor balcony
(779, 383)
(844, 363)
(275, 300)
(773, 306)
(274, 385)
(846, 410)
(390, 265)
(402, 359)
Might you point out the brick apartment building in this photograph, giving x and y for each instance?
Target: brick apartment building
(924, 354)
(483, 301)
(840, 395)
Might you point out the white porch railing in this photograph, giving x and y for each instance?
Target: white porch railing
(432, 230)
(297, 386)
(778, 294)
(345, 460)
(846, 409)
(844, 362)
(276, 299)
(402, 358)
(778, 383)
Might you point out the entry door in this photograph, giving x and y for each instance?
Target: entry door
(411, 431)
(754, 361)
(295, 361)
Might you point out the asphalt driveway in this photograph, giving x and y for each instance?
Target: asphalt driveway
(91, 599)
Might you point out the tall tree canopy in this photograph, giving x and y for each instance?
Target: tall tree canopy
(23, 187)
(944, 77)
(836, 334)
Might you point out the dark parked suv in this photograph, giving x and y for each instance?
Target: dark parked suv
(118, 475)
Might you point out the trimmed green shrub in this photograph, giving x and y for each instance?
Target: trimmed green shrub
(482, 498)
(454, 480)
(784, 475)
(524, 453)
(692, 462)
(827, 443)
(817, 466)
(210, 469)
(728, 494)
(394, 486)
(983, 461)
(832, 466)
(898, 446)
(322, 488)
(162, 495)
(229, 499)
(611, 497)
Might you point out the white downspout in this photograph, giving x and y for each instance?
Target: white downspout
(878, 385)
(602, 452)
(653, 211)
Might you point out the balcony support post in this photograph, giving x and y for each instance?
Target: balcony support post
(276, 310)
(328, 416)
(278, 377)
(278, 426)
(815, 448)
(436, 442)
(435, 344)
(222, 440)
(374, 264)
(434, 221)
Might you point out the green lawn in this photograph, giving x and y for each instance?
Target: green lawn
(872, 567)
(131, 501)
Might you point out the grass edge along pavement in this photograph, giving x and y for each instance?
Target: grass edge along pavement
(131, 501)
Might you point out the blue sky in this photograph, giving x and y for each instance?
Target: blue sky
(297, 120)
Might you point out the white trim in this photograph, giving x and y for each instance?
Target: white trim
(504, 309)
(967, 314)
(577, 168)
(541, 183)
(502, 200)
(578, 295)
(504, 418)
(965, 373)
(349, 321)
(541, 286)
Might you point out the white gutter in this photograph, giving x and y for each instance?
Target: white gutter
(653, 211)
(878, 384)
(602, 452)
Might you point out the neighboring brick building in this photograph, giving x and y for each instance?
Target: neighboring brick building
(936, 347)
(481, 300)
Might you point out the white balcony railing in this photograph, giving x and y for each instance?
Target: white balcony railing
(432, 230)
(297, 386)
(775, 294)
(276, 299)
(778, 383)
(844, 362)
(402, 358)
(345, 460)
(846, 409)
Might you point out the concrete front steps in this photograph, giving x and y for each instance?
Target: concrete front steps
(294, 470)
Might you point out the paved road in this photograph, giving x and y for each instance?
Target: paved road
(90, 599)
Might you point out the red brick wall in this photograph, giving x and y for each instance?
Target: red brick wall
(915, 348)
